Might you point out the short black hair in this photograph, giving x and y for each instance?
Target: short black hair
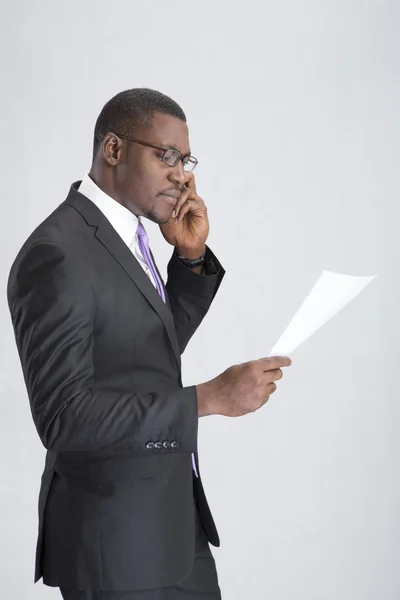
(132, 110)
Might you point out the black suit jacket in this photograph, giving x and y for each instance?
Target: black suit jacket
(101, 357)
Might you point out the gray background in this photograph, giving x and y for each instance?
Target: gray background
(293, 115)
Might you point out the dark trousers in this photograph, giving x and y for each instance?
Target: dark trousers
(202, 583)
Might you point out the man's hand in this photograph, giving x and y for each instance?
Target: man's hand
(241, 389)
(190, 233)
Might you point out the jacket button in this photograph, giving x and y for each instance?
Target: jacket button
(174, 444)
(150, 445)
(166, 444)
(158, 445)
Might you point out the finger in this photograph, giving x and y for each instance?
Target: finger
(189, 206)
(190, 181)
(271, 388)
(181, 201)
(274, 362)
(265, 401)
(184, 210)
(268, 392)
(274, 375)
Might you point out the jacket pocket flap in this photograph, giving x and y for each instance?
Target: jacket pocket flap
(122, 466)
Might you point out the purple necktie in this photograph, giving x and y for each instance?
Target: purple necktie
(145, 250)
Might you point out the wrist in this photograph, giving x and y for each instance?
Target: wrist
(205, 400)
(190, 253)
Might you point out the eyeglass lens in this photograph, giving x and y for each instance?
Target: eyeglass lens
(172, 157)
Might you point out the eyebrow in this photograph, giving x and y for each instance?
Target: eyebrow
(177, 149)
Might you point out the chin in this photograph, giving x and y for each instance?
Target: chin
(160, 213)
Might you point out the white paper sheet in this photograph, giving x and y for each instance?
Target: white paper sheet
(331, 293)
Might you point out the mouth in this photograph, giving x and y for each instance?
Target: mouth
(170, 199)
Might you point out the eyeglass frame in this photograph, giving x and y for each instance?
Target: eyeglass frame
(131, 139)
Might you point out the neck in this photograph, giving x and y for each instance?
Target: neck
(104, 177)
(103, 181)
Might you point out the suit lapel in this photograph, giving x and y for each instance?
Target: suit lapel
(107, 236)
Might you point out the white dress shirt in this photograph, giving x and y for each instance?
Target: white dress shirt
(124, 222)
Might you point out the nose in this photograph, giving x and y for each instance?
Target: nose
(178, 174)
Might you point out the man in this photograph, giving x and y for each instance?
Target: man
(122, 510)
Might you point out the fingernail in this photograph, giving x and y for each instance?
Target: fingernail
(176, 220)
(173, 213)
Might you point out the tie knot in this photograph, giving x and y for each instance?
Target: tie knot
(141, 232)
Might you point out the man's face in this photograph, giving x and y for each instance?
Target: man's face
(141, 178)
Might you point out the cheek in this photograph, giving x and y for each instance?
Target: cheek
(147, 179)
(155, 180)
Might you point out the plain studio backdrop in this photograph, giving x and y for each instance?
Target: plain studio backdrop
(293, 115)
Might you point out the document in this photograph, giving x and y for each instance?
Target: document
(331, 293)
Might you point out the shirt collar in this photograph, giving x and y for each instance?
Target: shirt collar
(123, 220)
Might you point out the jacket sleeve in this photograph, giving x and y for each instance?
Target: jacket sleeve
(191, 294)
(52, 306)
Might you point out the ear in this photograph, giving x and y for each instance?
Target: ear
(112, 149)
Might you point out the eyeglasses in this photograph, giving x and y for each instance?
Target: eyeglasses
(170, 157)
